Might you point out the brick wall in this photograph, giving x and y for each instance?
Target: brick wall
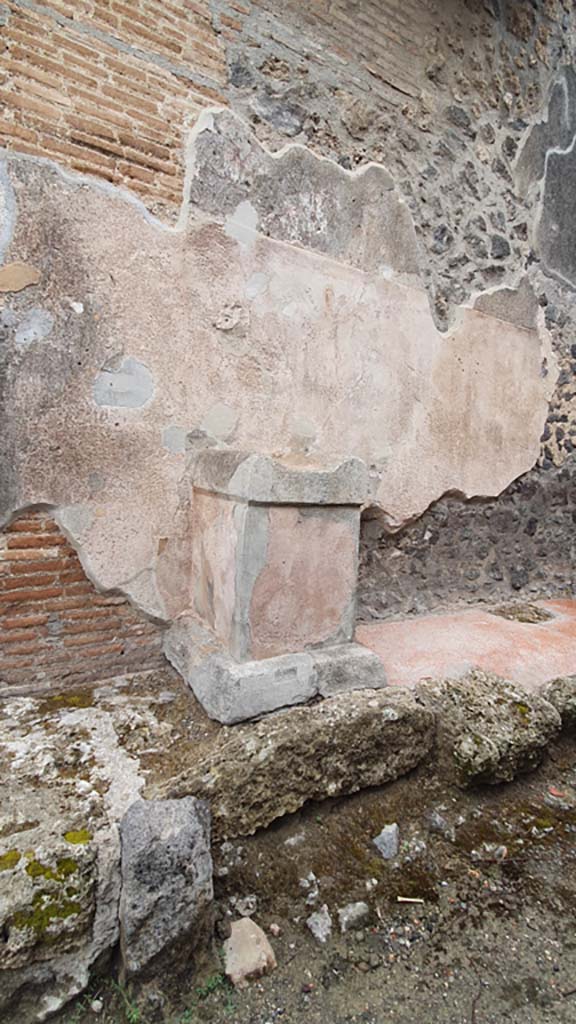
(108, 87)
(380, 45)
(56, 630)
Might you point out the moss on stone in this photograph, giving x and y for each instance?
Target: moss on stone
(9, 860)
(44, 910)
(78, 837)
(65, 867)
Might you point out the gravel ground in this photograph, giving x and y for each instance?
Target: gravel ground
(492, 941)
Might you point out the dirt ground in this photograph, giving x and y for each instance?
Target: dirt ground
(494, 939)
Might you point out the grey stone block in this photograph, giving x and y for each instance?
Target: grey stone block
(231, 691)
(167, 893)
(261, 478)
(345, 667)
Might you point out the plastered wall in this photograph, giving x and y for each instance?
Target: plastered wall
(345, 263)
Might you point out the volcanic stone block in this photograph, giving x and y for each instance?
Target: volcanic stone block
(166, 899)
(260, 772)
(489, 730)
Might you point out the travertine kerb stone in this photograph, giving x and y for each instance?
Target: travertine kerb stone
(488, 730)
(260, 772)
(166, 903)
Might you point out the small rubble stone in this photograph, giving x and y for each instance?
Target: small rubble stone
(488, 729)
(248, 953)
(320, 924)
(353, 915)
(388, 841)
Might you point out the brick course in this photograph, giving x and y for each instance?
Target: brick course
(109, 88)
(56, 629)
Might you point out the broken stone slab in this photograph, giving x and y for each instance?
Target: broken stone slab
(166, 903)
(561, 693)
(248, 953)
(259, 772)
(275, 481)
(231, 691)
(488, 729)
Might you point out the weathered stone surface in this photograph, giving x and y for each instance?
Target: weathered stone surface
(260, 772)
(70, 769)
(230, 691)
(65, 783)
(247, 953)
(289, 480)
(488, 730)
(166, 901)
(562, 694)
(345, 667)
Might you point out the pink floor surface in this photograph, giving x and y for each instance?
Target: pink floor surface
(449, 644)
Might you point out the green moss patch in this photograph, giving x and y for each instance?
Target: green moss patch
(78, 837)
(9, 860)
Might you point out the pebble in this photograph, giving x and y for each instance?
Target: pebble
(388, 841)
(96, 1006)
(320, 924)
(247, 953)
(352, 915)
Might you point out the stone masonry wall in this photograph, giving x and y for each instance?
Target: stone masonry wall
(463, 102)
(56, 630)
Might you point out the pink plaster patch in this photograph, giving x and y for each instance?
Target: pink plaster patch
(450, 644)
(303, 594)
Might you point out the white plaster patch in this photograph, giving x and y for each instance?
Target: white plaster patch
(129, 387)
(75, 520)
(256, 285)
(220, 421)
(35, 326)
(7, 210)
(242, 225)
(174, 439)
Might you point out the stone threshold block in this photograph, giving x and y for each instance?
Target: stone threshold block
(232, 691)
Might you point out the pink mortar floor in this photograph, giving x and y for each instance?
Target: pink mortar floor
(451, 643)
